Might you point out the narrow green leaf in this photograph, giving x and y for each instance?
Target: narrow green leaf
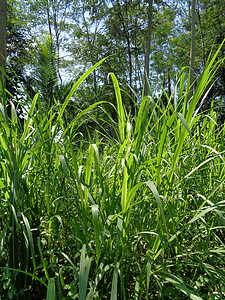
(77, 84)
(51, 289)
(26, 128)
(151, 185)
(42, 259)
(2, 238)
(179, 284)
(96, 228)
(88, 172)
(114, 283)
(183, 121)
(120, 110)
(26, 273)
(30, 237)
(85, 263)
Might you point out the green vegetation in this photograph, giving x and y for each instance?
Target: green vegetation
(133, 210)
(112, 185)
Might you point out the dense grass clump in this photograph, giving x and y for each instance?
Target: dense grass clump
(136, 216)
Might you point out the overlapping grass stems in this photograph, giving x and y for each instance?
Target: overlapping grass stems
(139, 216)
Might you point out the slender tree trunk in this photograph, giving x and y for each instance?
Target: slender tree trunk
(2, 37)
(49, 19)
(169, 82)
(129, 53)
(192, 51)
(147, 48)
(130, 61)
(57, 35)
(202, 33)
(189, 8)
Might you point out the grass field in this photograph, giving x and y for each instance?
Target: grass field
(139, 215)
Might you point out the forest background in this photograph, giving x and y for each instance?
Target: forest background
(134, 35)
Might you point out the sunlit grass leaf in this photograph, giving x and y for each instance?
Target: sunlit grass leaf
(95, 212)
(77, 84)
(183, 121)
(85, 263)
(120, 110)
(114, 288)
(151, 185)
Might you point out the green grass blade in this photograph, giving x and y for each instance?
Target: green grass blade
(151, 185)
(162, 144)
(120, 110)
(26, 273)
(183, 121)
(77, 84)
(114, 284)
(2, 238)
(124, 186)
(96, 228)
(88, 172)
(180, 285)
(42, 259)
(51, 295)
(85, 263)
(30, 238)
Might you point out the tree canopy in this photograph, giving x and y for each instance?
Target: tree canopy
(139, 38)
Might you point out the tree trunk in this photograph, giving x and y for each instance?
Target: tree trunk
(129, 53)
(202, 33)
(169, 82)
(192, 51)
(49, 20)
(147, 48)
(2, 37)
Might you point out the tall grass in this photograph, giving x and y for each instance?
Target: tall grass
(137, 217)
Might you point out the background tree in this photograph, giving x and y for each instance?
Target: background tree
(192, 51)
(83, 32)
(211, 20)
(148, 43)
(48, 17)
(2, 35)
(19, 51)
